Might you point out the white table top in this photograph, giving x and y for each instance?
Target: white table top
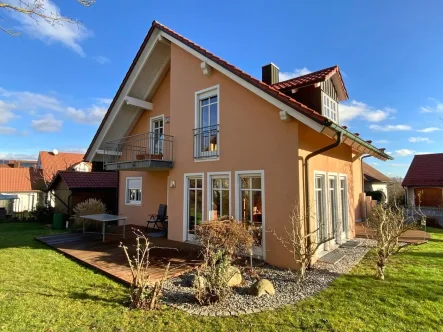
(103, 217)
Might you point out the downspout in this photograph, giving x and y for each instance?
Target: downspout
(307, 202)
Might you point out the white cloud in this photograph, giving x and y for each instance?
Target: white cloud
(101, 59)
(404, 152)
(91, 115)
(19, 156)
(399, 165)
(30, 101)
(419, 140)
(429, 130)
(390, 127)
(436, 108)
(6, 113)
(359, 110)
(284, 76)
(4, 130)
(374, 164)
(382, 141)
(104, 101)
(66, 33)
(47, 124)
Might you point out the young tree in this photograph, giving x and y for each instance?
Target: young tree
(388, 223)
(36, 9)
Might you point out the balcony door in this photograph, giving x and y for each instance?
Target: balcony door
(206, 132)
(156, 135)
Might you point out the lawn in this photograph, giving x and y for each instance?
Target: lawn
(41, 290)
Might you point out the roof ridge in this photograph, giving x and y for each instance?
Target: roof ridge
(311, 73)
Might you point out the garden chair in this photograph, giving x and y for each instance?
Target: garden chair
(159, 220)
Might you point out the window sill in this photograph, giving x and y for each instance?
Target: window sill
(203, 159)
(133, 204)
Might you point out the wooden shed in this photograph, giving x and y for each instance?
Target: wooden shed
(70, 188)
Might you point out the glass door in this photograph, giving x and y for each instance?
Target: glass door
(157, 136)
(320, 207)
(208, 119)
(194, 201)
(344, 206)
(333, 207)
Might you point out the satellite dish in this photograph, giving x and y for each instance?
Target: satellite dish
(55, 152)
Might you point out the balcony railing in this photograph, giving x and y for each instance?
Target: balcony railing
(206, 142)
(139, 151)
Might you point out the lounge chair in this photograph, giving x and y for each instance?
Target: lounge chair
(159, 220)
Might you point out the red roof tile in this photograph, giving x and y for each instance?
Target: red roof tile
(52, 163)
(425, 170)
(82, 180)
(20, 179)
(373, 175)
(308, 79)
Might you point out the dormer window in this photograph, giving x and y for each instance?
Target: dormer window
(330, 107)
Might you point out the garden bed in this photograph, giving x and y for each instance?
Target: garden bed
(179, 292)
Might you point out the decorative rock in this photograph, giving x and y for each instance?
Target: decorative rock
(262, 287)
(236, 278)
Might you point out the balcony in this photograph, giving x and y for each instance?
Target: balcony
(143, 152)
(206, 142)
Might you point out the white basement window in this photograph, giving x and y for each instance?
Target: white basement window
(134, 190)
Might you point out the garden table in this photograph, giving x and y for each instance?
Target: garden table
(104, 218)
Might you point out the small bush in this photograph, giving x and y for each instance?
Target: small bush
(43, 214)
(90, 206)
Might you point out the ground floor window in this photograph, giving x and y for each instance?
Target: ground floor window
(134, 190)
(219, 196)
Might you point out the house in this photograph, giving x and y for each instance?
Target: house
(375, 180)
(23, 185)
(188, 129)
(423, 182)
(50, 162)
(71, 188)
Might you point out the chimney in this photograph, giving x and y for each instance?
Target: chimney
(269, 74)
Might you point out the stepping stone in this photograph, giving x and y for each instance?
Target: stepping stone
(333, 257)
(350, 244)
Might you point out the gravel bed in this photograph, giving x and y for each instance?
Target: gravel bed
(178, 292)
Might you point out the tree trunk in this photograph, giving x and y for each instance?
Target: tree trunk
(380, 267)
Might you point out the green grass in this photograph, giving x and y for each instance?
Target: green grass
(41, 290)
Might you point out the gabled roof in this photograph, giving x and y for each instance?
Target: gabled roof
(312, 78)
(52, 163)
(425, 170)
(296, 109)
(20, 179)
(86, 180)
(372, 175)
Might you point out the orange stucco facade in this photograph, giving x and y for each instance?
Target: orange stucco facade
(252, 138)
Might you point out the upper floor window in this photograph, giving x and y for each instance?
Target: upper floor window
(330, 107)
(206, 132)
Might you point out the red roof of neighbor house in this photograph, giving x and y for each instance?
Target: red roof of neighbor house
(83, 180)
(372, 175)
(52, 163)
(426, 170)
(309, 79)
(270, 90)
(20, 179)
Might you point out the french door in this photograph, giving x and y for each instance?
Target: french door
(157, 128)
(344, 206)
(194, 204)
(333, 208)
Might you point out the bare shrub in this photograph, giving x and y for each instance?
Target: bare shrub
(90, 206)
(388, 223)
(301, 245)
(222, 242)
(142, 295)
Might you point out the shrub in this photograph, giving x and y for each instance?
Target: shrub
(141, 294)
(222, 240)
(42, 213)
(90, 206)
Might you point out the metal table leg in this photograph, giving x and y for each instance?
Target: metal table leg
(104, 228)
(83, 226)
(124, 227)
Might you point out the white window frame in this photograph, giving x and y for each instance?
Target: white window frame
(127, 201)
(327, 111)
(185, 200)
(340, 177)
(151, 129)
(199, 95)
(337, 204)
(325, 213)
(218, 175)
(261, 173)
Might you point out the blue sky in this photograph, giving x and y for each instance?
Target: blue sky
(56, 83)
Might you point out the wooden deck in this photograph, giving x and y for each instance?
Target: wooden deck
(412, 236)
(109, 259)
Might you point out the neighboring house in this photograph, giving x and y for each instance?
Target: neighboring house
(375, 180)
(424, 181)
(71, 188)
(192, 131)
(50, 162)
(25, 183)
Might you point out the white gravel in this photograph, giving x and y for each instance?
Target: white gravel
(179, 293)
